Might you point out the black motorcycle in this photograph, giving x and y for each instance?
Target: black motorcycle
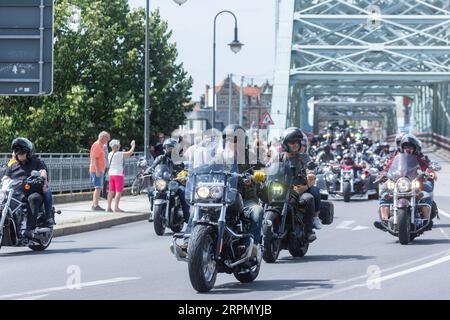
(165, 201)
(14, 215)
(220, 241)
(283, 226)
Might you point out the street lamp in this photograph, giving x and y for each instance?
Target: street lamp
(235, 46)
(180, 2)
(146, 98)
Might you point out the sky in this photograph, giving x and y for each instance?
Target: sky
(192, 26)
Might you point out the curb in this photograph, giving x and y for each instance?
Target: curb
(80, 196)
(97, 225)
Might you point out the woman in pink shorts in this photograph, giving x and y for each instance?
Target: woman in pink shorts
(116, 173)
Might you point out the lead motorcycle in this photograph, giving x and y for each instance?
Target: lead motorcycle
(165, 201)
(404, 185)
(14, 216)
(220, 241)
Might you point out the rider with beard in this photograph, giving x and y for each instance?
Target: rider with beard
(291, 142)
(166, 159)
(20, 170)
(411, 145)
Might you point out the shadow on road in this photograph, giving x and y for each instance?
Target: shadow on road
(323, 258)
(429, 242)
(443, 225)
(271, 285)
(28, 252)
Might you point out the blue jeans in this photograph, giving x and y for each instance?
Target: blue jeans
(252, 211)
(315, 192)
(48, 203)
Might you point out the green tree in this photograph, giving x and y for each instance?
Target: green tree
(99, 81)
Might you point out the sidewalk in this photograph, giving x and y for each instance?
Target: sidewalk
(77, 217)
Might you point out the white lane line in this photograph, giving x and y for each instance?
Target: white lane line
(63, 288)
(33, 297)
(360, 228)
(345, 224)
(444, 233)
(388, 277)
(339, 282)
(444, 213)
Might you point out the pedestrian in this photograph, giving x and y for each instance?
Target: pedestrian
(97, 168)
(104, 193)
(117, 172)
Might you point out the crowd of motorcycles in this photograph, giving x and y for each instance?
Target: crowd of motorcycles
(347, 165)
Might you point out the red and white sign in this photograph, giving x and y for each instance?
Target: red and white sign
(266, 119)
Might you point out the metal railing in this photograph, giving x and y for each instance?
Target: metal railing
(69, 172)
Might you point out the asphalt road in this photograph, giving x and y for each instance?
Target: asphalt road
(350, 260)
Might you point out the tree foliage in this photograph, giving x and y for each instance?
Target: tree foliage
(99, 81)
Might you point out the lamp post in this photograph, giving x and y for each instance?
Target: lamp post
(235, 46)
(146, 98)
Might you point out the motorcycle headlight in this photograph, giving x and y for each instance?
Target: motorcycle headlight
(416, 185)
(161, 184)
(203, 192)
(216, 192)
(390, 185)
(403, 185)
(277, 190)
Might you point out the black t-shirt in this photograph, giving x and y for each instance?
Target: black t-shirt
(22, 171)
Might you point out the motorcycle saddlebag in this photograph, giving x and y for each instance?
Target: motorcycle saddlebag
(326, 212)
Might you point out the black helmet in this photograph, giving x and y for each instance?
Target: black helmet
(23, 145)
(409, 139)
(292, 134)
(235, 131)
(398, 138)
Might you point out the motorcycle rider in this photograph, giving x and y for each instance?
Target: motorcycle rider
(291, 142)
(21, 169)
(166, 159)
(326, 155)
(411, 145)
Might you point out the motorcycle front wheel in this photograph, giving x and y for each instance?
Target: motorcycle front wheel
(137, 185)
(271, 243)
(44, 243)
(158, 220)
(202, 265)
(404, 225)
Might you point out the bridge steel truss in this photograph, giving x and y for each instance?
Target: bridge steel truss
(362, 48)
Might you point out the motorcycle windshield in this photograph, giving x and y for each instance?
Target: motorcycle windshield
(162, 171)
(212, 179)
(279, 172)
(404, 165)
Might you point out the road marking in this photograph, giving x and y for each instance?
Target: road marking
(360, 228)
(33, 297)
(388, 277)
(444, 213)
(55, 289)
(345, 224)
(444, 233)
(363, 277)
